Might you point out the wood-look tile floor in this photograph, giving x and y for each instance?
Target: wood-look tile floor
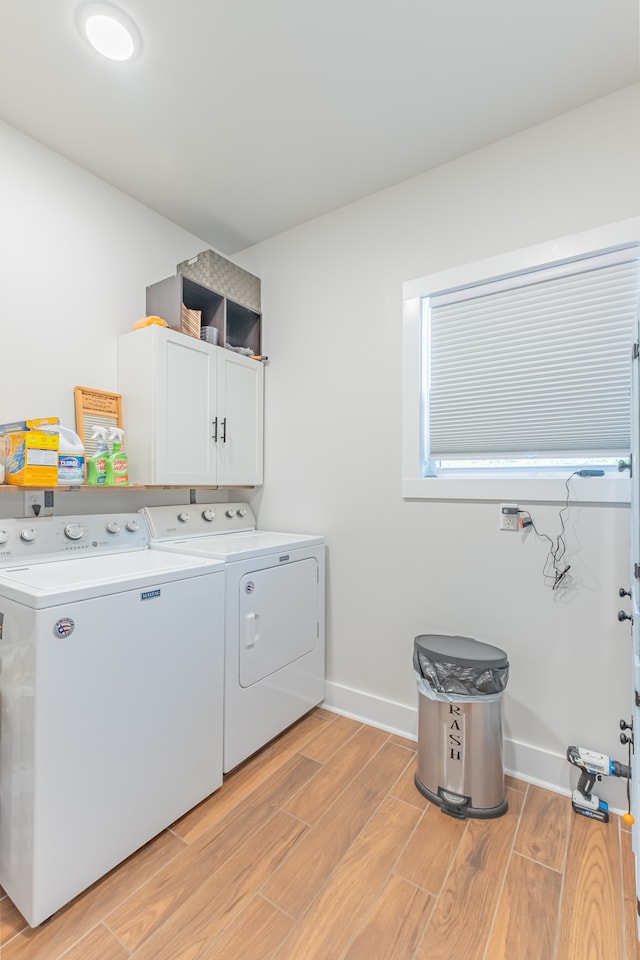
(321, 848)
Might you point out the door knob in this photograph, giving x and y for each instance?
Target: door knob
(623, 615)
(624, 593)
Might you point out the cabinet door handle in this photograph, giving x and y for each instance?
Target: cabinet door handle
(224, 429)
(215, 430)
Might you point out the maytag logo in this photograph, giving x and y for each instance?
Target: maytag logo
(149, 594)
(283, 558)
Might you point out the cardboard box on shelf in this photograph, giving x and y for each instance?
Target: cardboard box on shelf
(31, 452)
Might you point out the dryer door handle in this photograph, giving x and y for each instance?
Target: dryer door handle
(250, 629)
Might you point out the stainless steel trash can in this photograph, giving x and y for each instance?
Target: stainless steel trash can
(460, 683)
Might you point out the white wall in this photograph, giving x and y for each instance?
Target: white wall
(332, 301)
(76, 257)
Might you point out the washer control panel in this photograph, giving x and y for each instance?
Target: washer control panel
(198, 520)
(50, 538)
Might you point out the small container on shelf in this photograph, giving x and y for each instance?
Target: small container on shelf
(4, 450)
(190, 322)
(210, 335)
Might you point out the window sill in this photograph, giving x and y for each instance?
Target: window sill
(608, 489)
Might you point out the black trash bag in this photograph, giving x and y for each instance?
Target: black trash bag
(460, 666)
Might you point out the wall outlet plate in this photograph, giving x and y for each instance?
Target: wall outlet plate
(38, 503)
(509, 516)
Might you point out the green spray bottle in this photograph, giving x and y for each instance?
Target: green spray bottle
(117, 461)
(97, 464)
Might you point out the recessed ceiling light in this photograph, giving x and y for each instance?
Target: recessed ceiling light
(109, 30)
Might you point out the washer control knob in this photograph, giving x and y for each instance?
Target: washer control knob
(231, 514)
(242, 512)
(132, 525)
(113, 526)
(73, 531)
(208, 515)
(183, 517)
(28, 534)
(3, 536)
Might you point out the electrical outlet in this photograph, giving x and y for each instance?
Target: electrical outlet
(509, 516)
(38, 503)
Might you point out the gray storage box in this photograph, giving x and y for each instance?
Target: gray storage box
(460, 684)
(219, 274)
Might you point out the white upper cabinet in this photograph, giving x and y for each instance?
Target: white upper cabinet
(192, 412)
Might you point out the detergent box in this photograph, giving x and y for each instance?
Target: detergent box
(32, 452)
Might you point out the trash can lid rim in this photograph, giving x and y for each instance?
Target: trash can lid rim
(462, 650)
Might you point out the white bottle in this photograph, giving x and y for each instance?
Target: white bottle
(70, 458)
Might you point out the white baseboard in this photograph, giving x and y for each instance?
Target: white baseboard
(522, 760)
(385, 714)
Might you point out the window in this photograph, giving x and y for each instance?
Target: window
(519, 367)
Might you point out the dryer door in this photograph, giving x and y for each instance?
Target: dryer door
(278, 618)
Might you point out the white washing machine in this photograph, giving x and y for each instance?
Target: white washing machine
(111, 658)
(274, 632)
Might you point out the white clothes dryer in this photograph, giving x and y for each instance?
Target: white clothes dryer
(111, 659)
(274, 621)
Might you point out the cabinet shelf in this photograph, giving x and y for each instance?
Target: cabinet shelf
(237, 325)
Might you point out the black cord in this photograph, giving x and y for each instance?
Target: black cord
(552, 568)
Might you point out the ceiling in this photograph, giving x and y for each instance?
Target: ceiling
(243, 118)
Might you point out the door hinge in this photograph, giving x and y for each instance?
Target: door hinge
(636, 571)
(635, 352)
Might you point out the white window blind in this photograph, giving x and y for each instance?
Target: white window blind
(534, 365)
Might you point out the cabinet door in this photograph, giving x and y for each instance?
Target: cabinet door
(185, 420)
(240, 413)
